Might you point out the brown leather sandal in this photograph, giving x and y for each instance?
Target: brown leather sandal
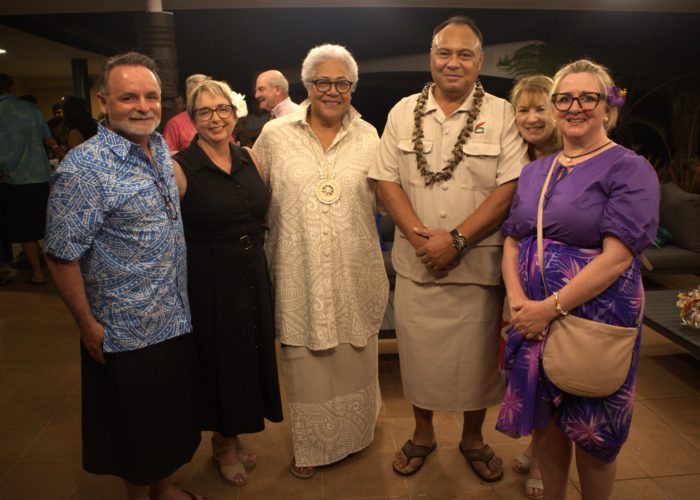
(484, 455)
(412, 450)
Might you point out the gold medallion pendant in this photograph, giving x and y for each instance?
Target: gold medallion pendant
(327, 191)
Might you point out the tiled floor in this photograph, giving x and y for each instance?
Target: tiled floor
(40, 429)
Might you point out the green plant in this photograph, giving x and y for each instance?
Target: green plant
(684, 172)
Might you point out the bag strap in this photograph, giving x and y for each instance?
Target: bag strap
(540, 209)
(540, 251)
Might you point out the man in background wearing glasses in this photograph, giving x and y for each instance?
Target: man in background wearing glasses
(116, 251)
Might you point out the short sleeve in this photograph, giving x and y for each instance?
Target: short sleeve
(522, 218)
(76, 211)
(262, 152)
(632, 211)
(513, 149)
(386, 167)
(509, 226)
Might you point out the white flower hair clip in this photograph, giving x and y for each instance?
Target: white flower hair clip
(238, 100)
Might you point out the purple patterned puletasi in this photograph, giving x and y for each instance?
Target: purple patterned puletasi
(599, 425)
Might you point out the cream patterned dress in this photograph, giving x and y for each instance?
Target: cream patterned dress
(331, 288)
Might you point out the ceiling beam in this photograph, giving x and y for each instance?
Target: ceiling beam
(20, 7)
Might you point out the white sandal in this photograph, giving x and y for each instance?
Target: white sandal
(534, 483)
(235, 473)
(522, 463)
(247, 458)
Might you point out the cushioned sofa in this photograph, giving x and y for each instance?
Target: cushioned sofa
(680, 216)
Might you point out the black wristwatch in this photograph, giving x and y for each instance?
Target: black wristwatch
(459, 241)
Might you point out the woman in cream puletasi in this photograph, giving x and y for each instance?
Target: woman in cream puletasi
(331, 288)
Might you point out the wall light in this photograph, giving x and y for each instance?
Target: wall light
(3, 51)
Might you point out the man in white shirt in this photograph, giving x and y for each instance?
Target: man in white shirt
(447, 165)
(272, 92)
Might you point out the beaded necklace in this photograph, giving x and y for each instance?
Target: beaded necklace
(457, 153)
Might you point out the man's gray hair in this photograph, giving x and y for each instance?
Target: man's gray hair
(194, 80)
(277, 79)
(320, 54)
(128, 59)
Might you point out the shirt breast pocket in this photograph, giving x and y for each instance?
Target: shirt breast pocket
(409, 163)
(140, 206)
(481, 161)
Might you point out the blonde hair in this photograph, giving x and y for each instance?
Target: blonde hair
(533, 88)
(601, 74)
(213, 87)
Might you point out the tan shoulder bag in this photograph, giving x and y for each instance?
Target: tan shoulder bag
(581, 356)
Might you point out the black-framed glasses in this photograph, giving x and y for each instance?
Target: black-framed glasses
(587, 101)
(170, 208)
(223, 110)
(341, 86)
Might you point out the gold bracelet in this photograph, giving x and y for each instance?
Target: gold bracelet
(558, 307)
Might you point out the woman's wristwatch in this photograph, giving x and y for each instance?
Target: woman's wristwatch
(459, 241)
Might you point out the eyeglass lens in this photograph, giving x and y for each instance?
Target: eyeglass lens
(341, 86)
(223, 110)
(586, 101)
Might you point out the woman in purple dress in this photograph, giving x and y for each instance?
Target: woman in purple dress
(534, 118)
(600, 213)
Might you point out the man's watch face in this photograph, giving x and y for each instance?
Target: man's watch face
(458, 240)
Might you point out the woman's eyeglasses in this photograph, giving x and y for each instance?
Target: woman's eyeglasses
(341, 86)
(587, 101)
(223, 110)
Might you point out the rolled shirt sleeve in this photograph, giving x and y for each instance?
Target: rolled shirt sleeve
(75, 213)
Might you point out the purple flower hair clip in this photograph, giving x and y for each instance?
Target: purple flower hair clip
(616, 96)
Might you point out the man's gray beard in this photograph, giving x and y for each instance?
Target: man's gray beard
(123, 127)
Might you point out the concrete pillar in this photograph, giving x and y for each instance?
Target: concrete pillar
(155, 37)
(81, 80)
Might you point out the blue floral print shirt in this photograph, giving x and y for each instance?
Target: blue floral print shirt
(119, 214)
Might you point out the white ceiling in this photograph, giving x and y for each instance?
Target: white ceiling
(13, 7)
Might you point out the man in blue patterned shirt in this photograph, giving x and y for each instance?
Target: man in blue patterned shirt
(117, 254)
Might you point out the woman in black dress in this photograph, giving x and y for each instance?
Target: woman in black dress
(224, 204)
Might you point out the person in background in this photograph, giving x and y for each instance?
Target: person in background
(78, 123)
(116, 251)
(534, 119)
(331, 288)
(58, 131)
(24, 174)
(600, 213)
(448, 195)
(180, 103)
(272, 93)
(179, 131)
(224, 205)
